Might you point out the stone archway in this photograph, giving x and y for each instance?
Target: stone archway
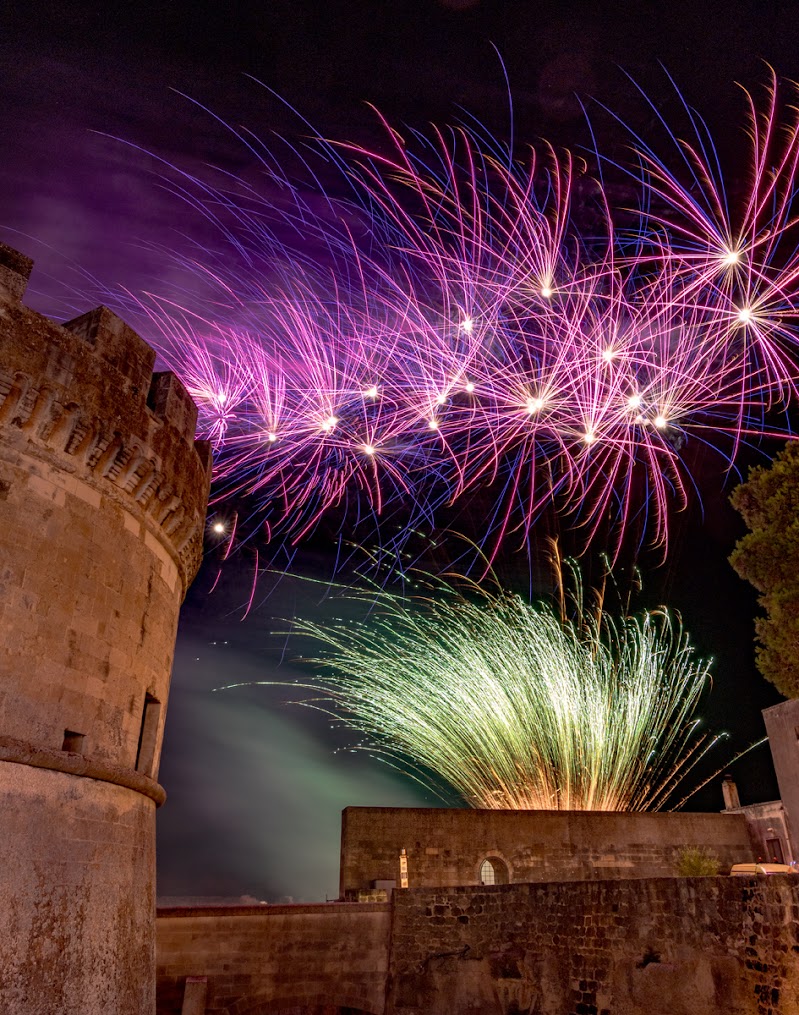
(493, 871)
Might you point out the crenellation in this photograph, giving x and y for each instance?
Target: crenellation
(169, 399)
(119, 345)
(15, 271)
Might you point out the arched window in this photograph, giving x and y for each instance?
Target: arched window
(493, 872)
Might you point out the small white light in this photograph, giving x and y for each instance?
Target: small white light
(329, 423)
(608, 355)
(433, 424)
(546, 291)
(467, 324)
(745, 315)
(589, 437)
(535, 404)
(371, 392)
(634, 401)
(368, 449)
(441, 399)
(218, 528)
(271, 437)
(731, 257)
(661, 422)
(469, 387)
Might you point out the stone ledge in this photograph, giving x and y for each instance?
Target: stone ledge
(273, 909)
(19, 752)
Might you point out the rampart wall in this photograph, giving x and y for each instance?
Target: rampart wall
(663, 946)
(667, 946)
(270, 959)
(445, 847)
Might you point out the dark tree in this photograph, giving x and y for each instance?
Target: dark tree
(768, 557)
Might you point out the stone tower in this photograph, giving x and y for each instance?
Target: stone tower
(103, 492)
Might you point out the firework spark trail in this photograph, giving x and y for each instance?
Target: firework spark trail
(470, 333)
(513, 706)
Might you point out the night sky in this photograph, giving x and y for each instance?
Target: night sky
(255, 790)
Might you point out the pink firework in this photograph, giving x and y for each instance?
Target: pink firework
(481, 322)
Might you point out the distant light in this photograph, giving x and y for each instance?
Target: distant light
(467, 325)
(218, 528)
(441, 399)
(546, 291)
(433, 424)
(608, 355)
(661, 422)
(221, 398)
(589, 437)
(634, 401)
(731, 257)
(745, 315)
(469, 387)
(371, 392)
(271, 436)
(329, 423)
(368, 449)
(535, 404)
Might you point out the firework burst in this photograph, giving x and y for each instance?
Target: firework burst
(479, 320)
(513, 705)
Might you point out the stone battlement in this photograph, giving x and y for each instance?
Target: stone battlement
(83, 398)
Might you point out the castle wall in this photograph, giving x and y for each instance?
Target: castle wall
(664, 946)
(447, 846)
(782, 726)
(669, 946)
(73, 904)
(258, 959)
(102, 503)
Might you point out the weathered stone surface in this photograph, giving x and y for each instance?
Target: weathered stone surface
(666, 946)
(782, 726)
(661, 946)
(447, 846)
(298, 958)
(102, 504)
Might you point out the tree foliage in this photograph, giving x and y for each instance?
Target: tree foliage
(768, 557)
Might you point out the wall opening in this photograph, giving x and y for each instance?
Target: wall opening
(493, 871)
(774, 852)
(73, 742)
(148, 735)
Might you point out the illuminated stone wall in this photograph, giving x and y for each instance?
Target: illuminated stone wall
(667, 946)
(655, 946)
(315, 959)
(445, 847)
(102, 504)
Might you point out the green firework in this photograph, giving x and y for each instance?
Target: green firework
(515, 706)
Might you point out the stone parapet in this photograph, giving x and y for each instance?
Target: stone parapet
(82, 397)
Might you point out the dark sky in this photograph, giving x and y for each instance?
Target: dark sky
(255, 790)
